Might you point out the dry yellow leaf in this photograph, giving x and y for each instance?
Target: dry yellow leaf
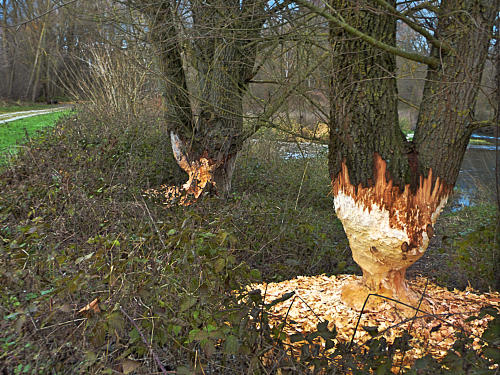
(91, 307)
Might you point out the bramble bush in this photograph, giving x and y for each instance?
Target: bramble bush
(167, 285)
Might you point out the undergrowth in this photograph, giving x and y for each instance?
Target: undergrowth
(97, 279)
(471, 246)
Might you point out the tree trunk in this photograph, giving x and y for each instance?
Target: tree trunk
(35, 72)
(223, 176)
(446, 112)
(206, 122)
(388, 192)
(496, 268)
(3, 35)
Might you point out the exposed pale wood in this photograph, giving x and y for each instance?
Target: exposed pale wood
(388, 228)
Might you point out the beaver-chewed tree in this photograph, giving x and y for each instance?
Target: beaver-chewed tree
(206, 51)
(388, 192)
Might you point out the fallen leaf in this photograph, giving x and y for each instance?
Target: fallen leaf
(129, 365)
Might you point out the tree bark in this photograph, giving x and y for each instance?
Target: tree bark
(206, 122)
(446, 112)
(363, 117)
(496, 268)
(388, 192)
(35, 72)
(3, 35)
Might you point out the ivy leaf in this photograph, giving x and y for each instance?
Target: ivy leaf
(373, 331)
(219, 265)
(489, 310)
(283, 298)
(492, 333)
(116, 322)
(492, 353)
(255, 274)
(187, 303)
(322, 326)
(296, 337)
(436, 328)
(256, 296)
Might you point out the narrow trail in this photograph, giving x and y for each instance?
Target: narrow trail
(13, 116)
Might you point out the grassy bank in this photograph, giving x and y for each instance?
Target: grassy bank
(8, 107)
(16, 132)
(75, 230)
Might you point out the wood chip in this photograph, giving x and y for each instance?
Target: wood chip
(319, 299)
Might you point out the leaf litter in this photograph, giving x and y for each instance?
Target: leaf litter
(432, 333)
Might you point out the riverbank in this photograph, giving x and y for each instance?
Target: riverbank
(80, 247)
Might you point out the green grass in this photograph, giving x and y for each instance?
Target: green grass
(20, 107)
(13, 133)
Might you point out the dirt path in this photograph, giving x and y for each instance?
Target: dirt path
(13, 116)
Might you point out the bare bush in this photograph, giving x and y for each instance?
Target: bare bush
(114, 81)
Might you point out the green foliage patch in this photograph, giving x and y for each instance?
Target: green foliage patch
(471, 244)
(19, 131)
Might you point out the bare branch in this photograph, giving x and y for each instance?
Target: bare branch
(419, 29)
(432, 62)
(18, 25)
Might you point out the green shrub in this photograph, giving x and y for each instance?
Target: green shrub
(472, 246)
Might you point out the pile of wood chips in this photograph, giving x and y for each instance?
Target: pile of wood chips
(318, 298)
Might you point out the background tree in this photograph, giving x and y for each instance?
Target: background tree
(388, 192)
(207, 56)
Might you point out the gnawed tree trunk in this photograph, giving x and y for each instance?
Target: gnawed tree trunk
(206, 122)
(389, 192)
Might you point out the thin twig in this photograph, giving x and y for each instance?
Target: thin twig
(160, 236)
(155, 356)
(309, 307)
(18, 25)
(411, 307)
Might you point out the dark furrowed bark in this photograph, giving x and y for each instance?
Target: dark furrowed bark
(178, 113)
(364, 118)
(218, 43)
(221, 46)
(444, 123)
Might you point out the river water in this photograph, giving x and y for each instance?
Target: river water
(476, 181)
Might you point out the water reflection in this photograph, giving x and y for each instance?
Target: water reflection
(476, 179)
